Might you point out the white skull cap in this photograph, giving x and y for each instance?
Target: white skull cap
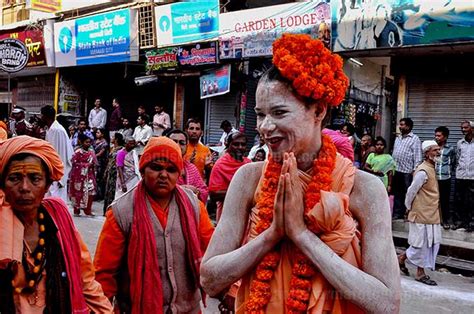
(427, 144)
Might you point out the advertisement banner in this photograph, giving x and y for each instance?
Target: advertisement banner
(13, 55)
(215, 82)
(361, 25)
(186, 22)
(50, 6)
(251, 33)
(161, 58)
(102, 38)
(33, 40)
(197, 54)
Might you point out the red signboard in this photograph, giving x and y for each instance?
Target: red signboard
(33, 40)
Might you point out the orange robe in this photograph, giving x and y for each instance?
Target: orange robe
(11, 244)
(338, 231)
(200, 152)
(108, 263)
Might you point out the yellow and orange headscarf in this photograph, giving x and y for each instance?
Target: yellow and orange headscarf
(36, 147)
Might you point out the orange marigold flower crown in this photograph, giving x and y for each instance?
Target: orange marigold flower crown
(314, 71)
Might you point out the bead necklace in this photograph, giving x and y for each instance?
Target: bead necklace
(33, 276)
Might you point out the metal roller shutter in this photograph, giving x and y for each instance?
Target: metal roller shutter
(35, 92)
(250, 115)
(436, 101)
(219, 108)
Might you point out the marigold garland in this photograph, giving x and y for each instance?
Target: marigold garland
(302, 268)
(315, 72)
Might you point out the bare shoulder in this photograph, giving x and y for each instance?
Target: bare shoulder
(369, 198)
(230, 230)
(249, 173)
(246, 179)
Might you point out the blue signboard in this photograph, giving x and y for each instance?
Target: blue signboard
(186, 22)
(102, 38)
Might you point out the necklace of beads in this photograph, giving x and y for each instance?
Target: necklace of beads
(34, 274)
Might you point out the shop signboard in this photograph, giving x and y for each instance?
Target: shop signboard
(13, 55)
(161, 58)
(197, 54)
(251, 33)
(33, 40)
(49, 6)
(363, 25)
(102, 38)
(186, 22)
(215, 82)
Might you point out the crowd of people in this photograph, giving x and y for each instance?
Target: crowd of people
(290, 218)
(454, 168)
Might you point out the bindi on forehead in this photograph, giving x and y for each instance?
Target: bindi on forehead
(25, 168)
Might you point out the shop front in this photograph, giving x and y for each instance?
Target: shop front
(187, 47)
(202, 86)
(97, 57)
(430, 47)
(439, 92)
(32, 87)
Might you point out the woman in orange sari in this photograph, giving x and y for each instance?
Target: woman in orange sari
(299, 229)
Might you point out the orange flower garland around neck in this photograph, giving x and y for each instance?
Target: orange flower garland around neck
(302, 268)
(315, 73)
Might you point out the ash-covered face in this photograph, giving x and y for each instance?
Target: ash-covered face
(25, 184)
(284, 121)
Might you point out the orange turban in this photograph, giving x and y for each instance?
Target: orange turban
(30, 145)
(161, 147)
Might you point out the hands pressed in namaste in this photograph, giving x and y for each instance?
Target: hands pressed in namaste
(289, 204)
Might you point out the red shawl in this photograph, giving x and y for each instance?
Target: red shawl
(146, 290)
(223, 172)
(66, 234)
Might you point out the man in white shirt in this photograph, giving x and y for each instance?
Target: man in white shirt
(58, 137)
(97, 116)
(142, 134)
(465, 178)
(226, 126)
(161, 121)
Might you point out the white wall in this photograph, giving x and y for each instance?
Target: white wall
(366, 77)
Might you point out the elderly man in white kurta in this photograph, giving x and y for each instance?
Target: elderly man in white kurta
(422, 203)
(58, 137)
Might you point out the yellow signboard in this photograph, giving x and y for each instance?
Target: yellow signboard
(46, 5)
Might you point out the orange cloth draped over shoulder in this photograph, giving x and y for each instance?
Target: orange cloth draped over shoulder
(337, 229)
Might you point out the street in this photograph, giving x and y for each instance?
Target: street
(454, 293)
